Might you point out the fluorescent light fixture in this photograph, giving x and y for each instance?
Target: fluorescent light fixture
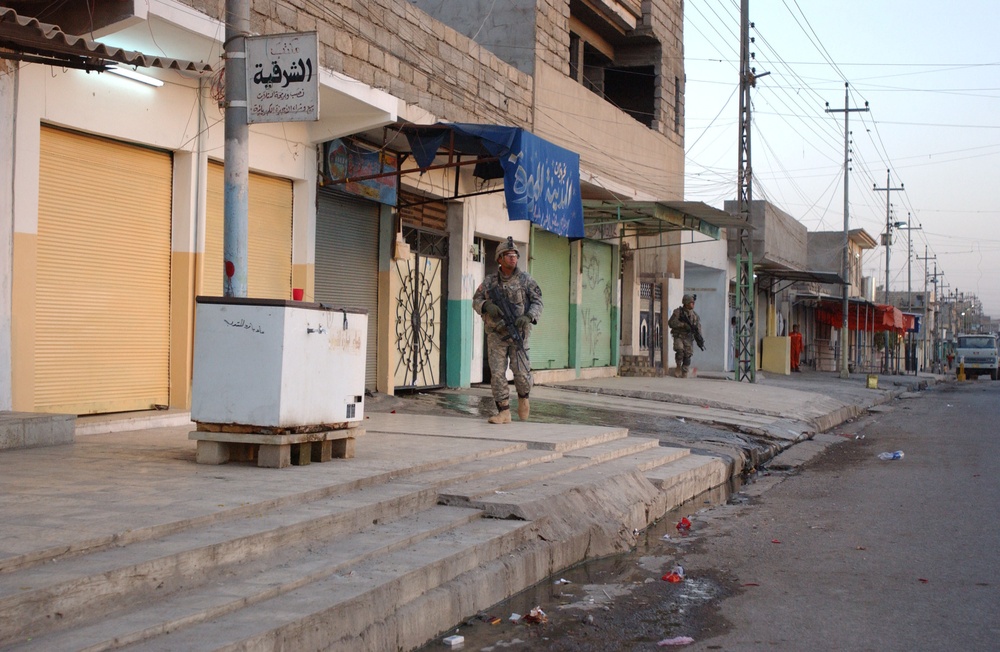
(135, 76)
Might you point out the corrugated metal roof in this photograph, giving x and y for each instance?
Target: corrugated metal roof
(652, 217)
(38, 42)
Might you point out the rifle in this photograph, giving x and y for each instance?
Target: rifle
(696, 331)
(510, 322)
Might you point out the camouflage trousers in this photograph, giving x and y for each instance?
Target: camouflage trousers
(683, 350)
(502, 354)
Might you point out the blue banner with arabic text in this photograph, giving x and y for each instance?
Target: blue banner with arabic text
(541, 179)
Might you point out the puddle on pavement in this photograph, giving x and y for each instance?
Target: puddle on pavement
(617, 602)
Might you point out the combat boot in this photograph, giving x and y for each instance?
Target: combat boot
(684, 372)
(501, 417)
(523, 408)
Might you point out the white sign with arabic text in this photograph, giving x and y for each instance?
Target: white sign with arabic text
(282, 78)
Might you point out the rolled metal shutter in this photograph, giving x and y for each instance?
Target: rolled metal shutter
(269, 235)
(102, 309)
(596, 327)
(550, 267)
(347, 262)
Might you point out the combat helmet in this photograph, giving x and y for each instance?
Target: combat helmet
(504, 247)
(686, 299)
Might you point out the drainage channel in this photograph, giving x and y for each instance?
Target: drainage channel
(620, 602)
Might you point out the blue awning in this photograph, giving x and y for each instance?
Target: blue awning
(541, 179)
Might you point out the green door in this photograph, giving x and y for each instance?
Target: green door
(550, 267)
(597, 330)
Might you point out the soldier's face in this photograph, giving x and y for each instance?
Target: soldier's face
(689, 305)
(508, 262)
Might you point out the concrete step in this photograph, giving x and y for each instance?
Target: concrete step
(84, 586)
(32, 429)
(478, 469)
(350, 607)
(540, 436)
(219, 594)
(522, 476)
(689, 476)
(526, 493)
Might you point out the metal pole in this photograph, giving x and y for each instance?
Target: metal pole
(846, 263)
(888, 248)
(927, 301)
(845, 302)
(237, 164)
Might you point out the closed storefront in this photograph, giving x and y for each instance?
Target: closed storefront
(347, 258)
(550, 267)
(269, 235)
(102, 288)
(597, 325)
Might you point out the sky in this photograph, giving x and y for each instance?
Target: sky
(930, 73)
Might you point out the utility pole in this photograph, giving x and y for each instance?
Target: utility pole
(745, 363)
(236, 168)
(888, 248)
(846, 264)
(927, 302)
(937, 315)
(909, 282)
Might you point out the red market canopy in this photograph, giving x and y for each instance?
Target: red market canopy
(866, 316)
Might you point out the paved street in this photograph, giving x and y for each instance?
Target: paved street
(856, 553)
(845, 551)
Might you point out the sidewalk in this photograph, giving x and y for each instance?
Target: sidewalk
(120, 538)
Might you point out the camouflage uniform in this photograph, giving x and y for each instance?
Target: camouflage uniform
(683, 335)
(525, 298)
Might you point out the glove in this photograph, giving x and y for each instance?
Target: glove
(701, 346)
(522, 321)
(491, 309)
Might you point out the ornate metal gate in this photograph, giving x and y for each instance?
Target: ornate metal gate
(650, 322)
(420, 304)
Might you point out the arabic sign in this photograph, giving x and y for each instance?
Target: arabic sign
(347, 158)
(282, 78)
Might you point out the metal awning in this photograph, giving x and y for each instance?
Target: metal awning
(541, 180)
(809, 276)
(33, 41)
(657, 217)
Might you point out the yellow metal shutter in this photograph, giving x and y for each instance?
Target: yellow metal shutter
(269, 236)
(102, 310)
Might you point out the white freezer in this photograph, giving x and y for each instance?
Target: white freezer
(279, 364)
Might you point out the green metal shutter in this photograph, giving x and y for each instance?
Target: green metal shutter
(347, 262)
(550, 267)
(596, 327)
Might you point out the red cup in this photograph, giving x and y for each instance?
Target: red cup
(297, 294)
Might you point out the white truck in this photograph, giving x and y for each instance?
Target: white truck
(977, 352)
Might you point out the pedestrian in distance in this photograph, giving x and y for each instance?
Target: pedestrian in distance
(510, 303)
(685, 327)
(796, 346)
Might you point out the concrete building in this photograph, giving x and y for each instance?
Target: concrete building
(117, 189)
(826, 251)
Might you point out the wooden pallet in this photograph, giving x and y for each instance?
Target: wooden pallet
(274, 448)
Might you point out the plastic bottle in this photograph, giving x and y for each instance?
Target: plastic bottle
(897, 455)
